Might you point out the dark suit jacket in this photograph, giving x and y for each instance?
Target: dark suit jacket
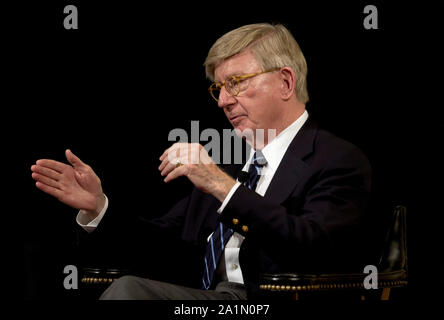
(311, 219)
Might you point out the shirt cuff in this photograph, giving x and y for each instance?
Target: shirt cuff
(228, 197)
(90, 226)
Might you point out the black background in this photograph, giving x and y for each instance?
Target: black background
(113, 89)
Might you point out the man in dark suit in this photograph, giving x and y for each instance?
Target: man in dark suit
(299, 205)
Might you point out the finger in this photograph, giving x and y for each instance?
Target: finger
(171, 151)
(177, 172)
(73, 159)
(171, 166)
(52, 164)
(49, 190)
(165, 153)
(166, 161)
(45, 180)
(163, 163)
(168, 167)
(50, 173)
(169, 156)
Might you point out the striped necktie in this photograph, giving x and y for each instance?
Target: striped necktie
(222, 234)
(254, 172)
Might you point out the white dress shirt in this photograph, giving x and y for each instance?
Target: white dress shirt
(229, 267)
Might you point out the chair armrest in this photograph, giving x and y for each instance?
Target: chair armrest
(92, 275)
(294, 282)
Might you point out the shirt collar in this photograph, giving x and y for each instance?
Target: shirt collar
(275, 150)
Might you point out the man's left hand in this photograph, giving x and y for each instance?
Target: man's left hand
(192, 160)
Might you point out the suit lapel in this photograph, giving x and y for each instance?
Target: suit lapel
(287, 175)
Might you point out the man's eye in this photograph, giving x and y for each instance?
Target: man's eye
(231, 83)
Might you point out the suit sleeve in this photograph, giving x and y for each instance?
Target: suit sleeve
(331, 207)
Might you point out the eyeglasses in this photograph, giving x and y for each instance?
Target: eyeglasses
(234, 85)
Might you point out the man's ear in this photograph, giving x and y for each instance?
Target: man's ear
(288, 80)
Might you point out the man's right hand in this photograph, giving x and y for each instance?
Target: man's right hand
(75, 185)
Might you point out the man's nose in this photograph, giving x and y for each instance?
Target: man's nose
(225, 98)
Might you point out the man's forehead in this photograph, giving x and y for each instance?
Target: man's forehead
(241, 63)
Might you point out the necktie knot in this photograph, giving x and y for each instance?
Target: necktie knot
(259, 159)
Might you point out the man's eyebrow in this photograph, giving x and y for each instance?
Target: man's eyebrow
(237, 74)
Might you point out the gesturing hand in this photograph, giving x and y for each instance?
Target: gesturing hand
(192, 160)
(75, 185)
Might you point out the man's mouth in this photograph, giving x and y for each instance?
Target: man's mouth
(237, 117)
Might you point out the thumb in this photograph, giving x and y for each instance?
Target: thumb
(73, 159)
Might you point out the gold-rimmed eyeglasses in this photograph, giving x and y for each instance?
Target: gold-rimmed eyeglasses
(234, 85)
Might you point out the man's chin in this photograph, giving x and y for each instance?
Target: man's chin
(245, 133)
(241, 130)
